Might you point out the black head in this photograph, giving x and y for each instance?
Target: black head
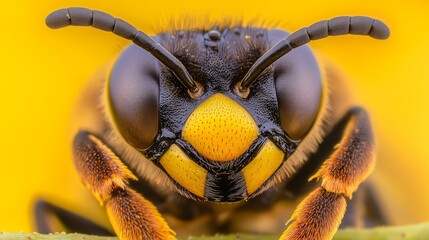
(219, 110)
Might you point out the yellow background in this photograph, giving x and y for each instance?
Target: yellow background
(43, 71)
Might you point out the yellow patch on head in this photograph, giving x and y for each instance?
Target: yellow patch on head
(262, 166)
(220, 129)
(184, 171)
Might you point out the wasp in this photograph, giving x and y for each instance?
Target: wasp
(217, 129)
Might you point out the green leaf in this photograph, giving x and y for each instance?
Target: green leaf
(410, 232)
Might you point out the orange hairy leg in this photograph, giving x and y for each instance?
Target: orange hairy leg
(132, 216)
(319, 215)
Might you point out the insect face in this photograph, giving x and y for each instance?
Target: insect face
(222, 115)
(212, 146)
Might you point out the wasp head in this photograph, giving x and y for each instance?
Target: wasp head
(219, 110)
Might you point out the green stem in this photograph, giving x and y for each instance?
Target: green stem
(410, 232)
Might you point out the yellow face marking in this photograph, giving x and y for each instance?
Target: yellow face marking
(220, 129)
(184, 171)
(262, 166)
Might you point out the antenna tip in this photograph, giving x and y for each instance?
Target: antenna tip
(58, 19)
(379, 30)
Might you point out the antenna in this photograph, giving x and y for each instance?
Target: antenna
(85, 17)
(358, 25)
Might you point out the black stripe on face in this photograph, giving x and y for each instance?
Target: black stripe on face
(225, 181)
(225, 187)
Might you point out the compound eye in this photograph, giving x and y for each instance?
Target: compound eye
(298, 84)
(133, 92)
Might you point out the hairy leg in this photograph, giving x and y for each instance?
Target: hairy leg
(319, 215)
(132, 216)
